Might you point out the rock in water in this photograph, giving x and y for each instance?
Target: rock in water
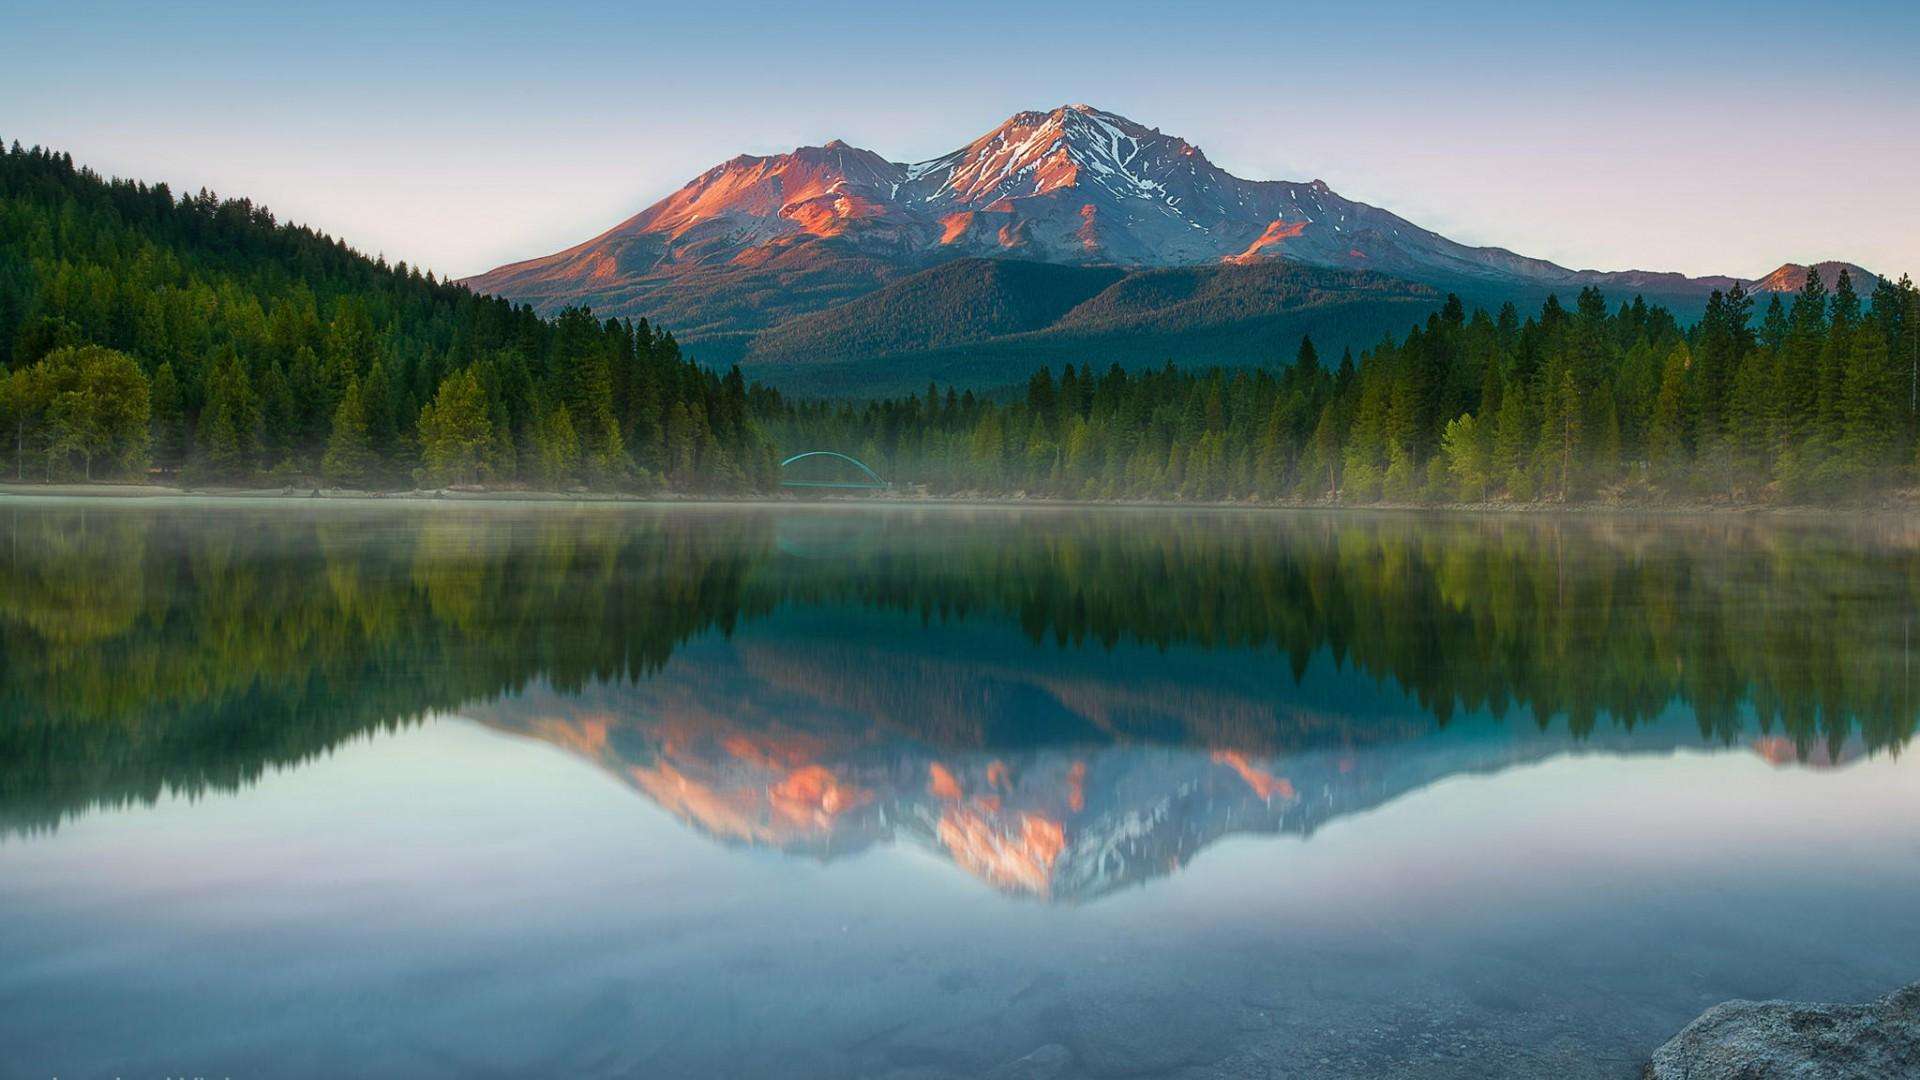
(1760, 1040)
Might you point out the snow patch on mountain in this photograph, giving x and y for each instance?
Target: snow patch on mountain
(1074, 185)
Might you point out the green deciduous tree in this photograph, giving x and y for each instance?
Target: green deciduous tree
(1467, 455)
(91, 404)
(456, 433)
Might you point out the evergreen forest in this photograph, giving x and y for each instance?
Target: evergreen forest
(193, 340)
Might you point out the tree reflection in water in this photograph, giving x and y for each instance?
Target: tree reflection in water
(1060, 701)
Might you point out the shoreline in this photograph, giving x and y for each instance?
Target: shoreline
(1891, 507)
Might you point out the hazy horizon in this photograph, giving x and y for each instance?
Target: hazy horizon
(459, 139)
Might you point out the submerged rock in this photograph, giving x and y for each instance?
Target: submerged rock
(1760, 1040)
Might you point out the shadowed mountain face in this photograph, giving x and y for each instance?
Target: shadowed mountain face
(1060, 703)
(756, 243)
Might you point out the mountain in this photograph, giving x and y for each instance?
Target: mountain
(760, 258)
(1792, 277)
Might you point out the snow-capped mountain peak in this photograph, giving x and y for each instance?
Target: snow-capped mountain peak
(1075, 184)
(1034, 153)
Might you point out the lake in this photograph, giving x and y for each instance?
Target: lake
(353, 789)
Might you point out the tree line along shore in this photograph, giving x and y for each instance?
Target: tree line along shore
(200, 342)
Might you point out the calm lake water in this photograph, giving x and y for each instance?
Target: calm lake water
(919, 793)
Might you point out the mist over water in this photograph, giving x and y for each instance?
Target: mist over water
(922, 792)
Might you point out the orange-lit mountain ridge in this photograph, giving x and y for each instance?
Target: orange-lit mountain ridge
(757, 241)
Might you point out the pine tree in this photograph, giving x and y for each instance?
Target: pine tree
(1844, 309)
(1749, 433)
(1368, 449)
(1325, 443)
(229, 431)
(349, 460)
(1270, 457)
(1567, 429)
(169, 439)
(1806, 394)
(379, 394)
(556, 447)
(1635, 390)
(1306, 363)
(1513, 439)
(1710, 373)
(1774, 328)
(683, 445)
(279, 421)
(352, 349)
(1666, 430)
(312, 421)
(610, 462)
(1868, 410)
(1605, 457)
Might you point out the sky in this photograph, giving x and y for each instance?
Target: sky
(1704, 138)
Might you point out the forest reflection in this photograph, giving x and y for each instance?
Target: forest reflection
(186, 647)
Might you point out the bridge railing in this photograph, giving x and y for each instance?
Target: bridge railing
(873, 483)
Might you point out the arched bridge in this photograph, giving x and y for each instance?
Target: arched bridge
(872, 483)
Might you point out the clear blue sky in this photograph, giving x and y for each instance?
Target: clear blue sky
(1696, 137)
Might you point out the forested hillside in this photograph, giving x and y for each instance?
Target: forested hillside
(1809, 399)
(200, 339)
(986, 323)
(200, 336)
(958, 303)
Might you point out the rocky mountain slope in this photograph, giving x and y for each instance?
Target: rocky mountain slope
(739, 258)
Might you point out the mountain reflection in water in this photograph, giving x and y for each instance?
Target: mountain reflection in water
(1061, 703)
(1064, 776)
(915, 793)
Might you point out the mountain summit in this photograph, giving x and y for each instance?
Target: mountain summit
(1076, 184)
(757, 241)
